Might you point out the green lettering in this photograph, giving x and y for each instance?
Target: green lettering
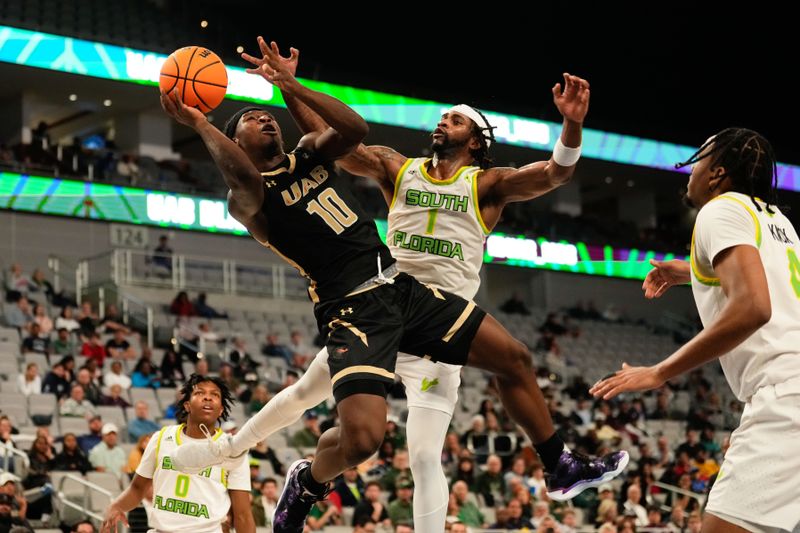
(461, 203)
(412, 197)
(457, 251)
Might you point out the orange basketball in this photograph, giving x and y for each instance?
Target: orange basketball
(199, 76)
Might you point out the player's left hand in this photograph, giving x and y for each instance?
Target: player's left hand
(629, 379)
(573, 101)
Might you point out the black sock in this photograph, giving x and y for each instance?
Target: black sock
(310, 484)
(549, 451)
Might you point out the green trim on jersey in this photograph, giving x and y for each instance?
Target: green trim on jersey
(448, 181)
(477, 206)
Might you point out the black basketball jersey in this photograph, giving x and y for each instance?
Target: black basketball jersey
(315, 223)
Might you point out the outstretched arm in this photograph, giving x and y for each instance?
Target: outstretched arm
(306, 119)
(242, 178)
(535, 179)
(346, 127)
(380, 163)
(126, 501)
(748, 307)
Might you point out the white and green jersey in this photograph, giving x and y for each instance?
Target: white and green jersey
(182, 502)
(436, 233)
(771, 355)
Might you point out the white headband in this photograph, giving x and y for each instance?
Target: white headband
(477, 118)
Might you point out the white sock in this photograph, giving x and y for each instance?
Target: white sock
(287, 406)
(426, 430)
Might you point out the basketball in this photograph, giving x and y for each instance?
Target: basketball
(199, 76)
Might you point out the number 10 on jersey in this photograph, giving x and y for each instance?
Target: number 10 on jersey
(330, 206)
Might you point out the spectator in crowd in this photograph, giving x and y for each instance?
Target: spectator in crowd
(9, 522)
(30, 382)
(141, 424)
(40, 317)
(204, 310)
(87, 441)
(128, 169)
(490, 483)
(144, 376)
(137, 452)
(113, 321)
(19, 314)
(654, 516)
(242, 363)
(17, 283)
(64, 344)
(94, 349)
(459, 527)
(274, 349)
(370, 506)
(108, 456)
(72, 457)
(118, 347)
(115, 376)
(302, 353)
(258, 400)
(515, 305)
(633, 505)
(55, 382)
(40, 286)
(540, 511)
(569, 522)
(88, 319)
(66, 319)
(468, 511)
(400, 469)
(172, 369)
(401, 510)
(76, 405)
(263, 506)
(201, 367)
(114, 397)
(83, 527)
(35, 342)
(91, 391)
(324, 513)
(40, 459)
(309, 435)
(350, 487)
(182, 306)
(162, 256)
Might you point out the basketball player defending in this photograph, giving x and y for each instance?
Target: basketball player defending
(745, 276)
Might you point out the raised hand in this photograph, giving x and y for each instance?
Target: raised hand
(629, 379)
(174, 107)
(664, 275)
(573, 101)
(273, 67)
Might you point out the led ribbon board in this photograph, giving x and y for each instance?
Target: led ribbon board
(77, 56)
(115, 203)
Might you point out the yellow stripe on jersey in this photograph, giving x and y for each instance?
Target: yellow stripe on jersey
(705, 280)
(477, 206)
(398, 179)
(448, 181)
(158, 444)
(178, 434)
(749, 210)
(281, 170)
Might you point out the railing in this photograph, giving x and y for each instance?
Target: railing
(85, 505)
(8, 452)
(192, 272)
(701, 498)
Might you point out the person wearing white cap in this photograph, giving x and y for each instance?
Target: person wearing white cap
(108, 456)
(184, 502)
(441, 210)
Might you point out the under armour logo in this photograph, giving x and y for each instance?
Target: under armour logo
(270, 183)
(346, 311)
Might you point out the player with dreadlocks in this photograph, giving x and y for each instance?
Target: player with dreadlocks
(182, 502)
(440, 212)
(745, 275)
